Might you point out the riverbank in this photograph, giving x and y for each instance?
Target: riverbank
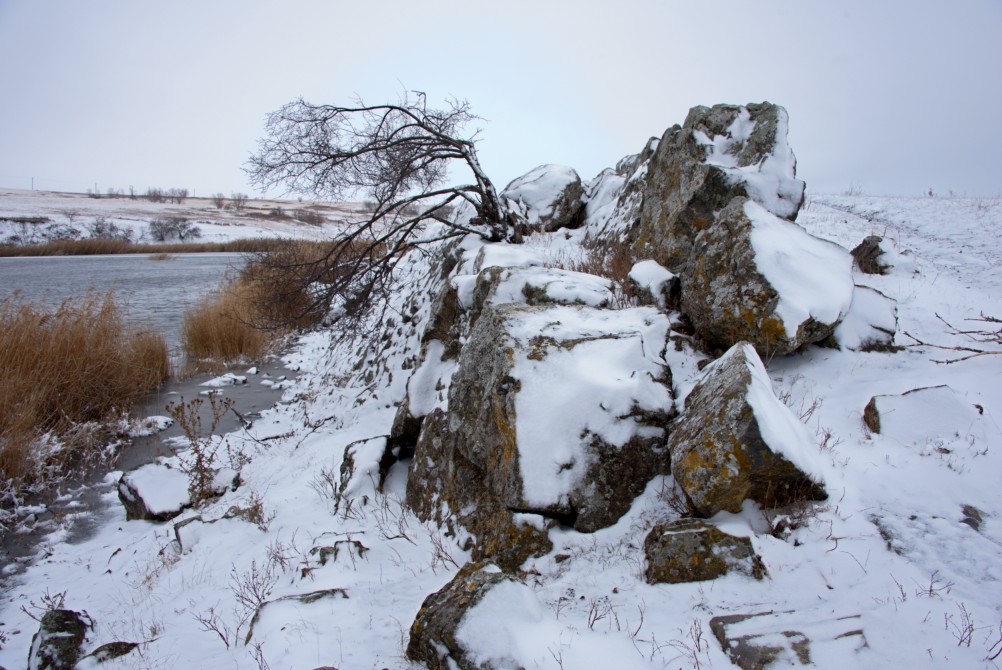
(85, 501)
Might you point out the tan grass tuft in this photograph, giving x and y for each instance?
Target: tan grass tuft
(62, 369)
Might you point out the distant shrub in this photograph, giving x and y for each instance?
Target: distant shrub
(173, 228)
(239, 200)
(103, 229)
(309, 217)
(219, 200)
(277, 213)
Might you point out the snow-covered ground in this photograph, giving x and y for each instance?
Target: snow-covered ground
(256, 218)
(885, 574)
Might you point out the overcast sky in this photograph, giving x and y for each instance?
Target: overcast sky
(893, 97)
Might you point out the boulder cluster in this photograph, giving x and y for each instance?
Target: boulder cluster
(542, 399)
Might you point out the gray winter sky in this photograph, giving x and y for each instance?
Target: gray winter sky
(894, 97)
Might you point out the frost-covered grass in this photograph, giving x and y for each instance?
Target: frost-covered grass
(65, 368)
(889, 553)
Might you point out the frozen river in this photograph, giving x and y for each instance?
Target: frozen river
(151, 292)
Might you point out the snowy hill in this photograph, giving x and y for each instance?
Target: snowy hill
(317, 559)
(40, 215)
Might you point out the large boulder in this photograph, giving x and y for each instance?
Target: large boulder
(690, 550)
(433, 635)
(735, 441)
(718, 154)
(556, 414)
(760, 279)
(547, 198)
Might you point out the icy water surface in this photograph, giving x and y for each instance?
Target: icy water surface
(152, 292)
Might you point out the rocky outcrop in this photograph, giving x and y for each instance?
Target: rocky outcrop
(557, 414)
(765, 281)
(719, 153)
(690, 550)
(58, 643)
(547, 198)
(433, 635)
(735, 440)
(719, 195)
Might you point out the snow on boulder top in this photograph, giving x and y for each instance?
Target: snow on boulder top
(813, 277)
(534, 285)
(548, 197)
(583, 372)
(754, 150)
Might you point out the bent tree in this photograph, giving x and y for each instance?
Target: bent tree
(395, 156)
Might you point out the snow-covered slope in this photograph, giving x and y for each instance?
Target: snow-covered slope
(64, 213)
(889, 572)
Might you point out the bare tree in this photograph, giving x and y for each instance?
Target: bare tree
(239, 200)
(219, 200)
(396, 156)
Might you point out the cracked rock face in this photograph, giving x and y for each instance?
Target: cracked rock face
(759, 279)
(737, 441)
(719, 153)
(557, 414)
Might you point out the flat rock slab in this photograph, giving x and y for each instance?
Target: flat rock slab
(784, 639)
(934, 416)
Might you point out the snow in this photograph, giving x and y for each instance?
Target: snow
(77, 212)
(557, 285)
(651, 276)
(537, 193)
(780, 429)
(163, 489)
(889, 547)
(600, 366)
(771, 182)
(228, 379)
(872, 318)
(813, 277)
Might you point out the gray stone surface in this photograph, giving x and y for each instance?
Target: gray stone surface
(690, 550)
(720, 456)
(433, 633)
(58, 643)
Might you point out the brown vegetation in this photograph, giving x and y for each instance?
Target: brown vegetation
(66, 373)
(240, 321)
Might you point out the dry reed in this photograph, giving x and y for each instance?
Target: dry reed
(63, 370)
(241, 321)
